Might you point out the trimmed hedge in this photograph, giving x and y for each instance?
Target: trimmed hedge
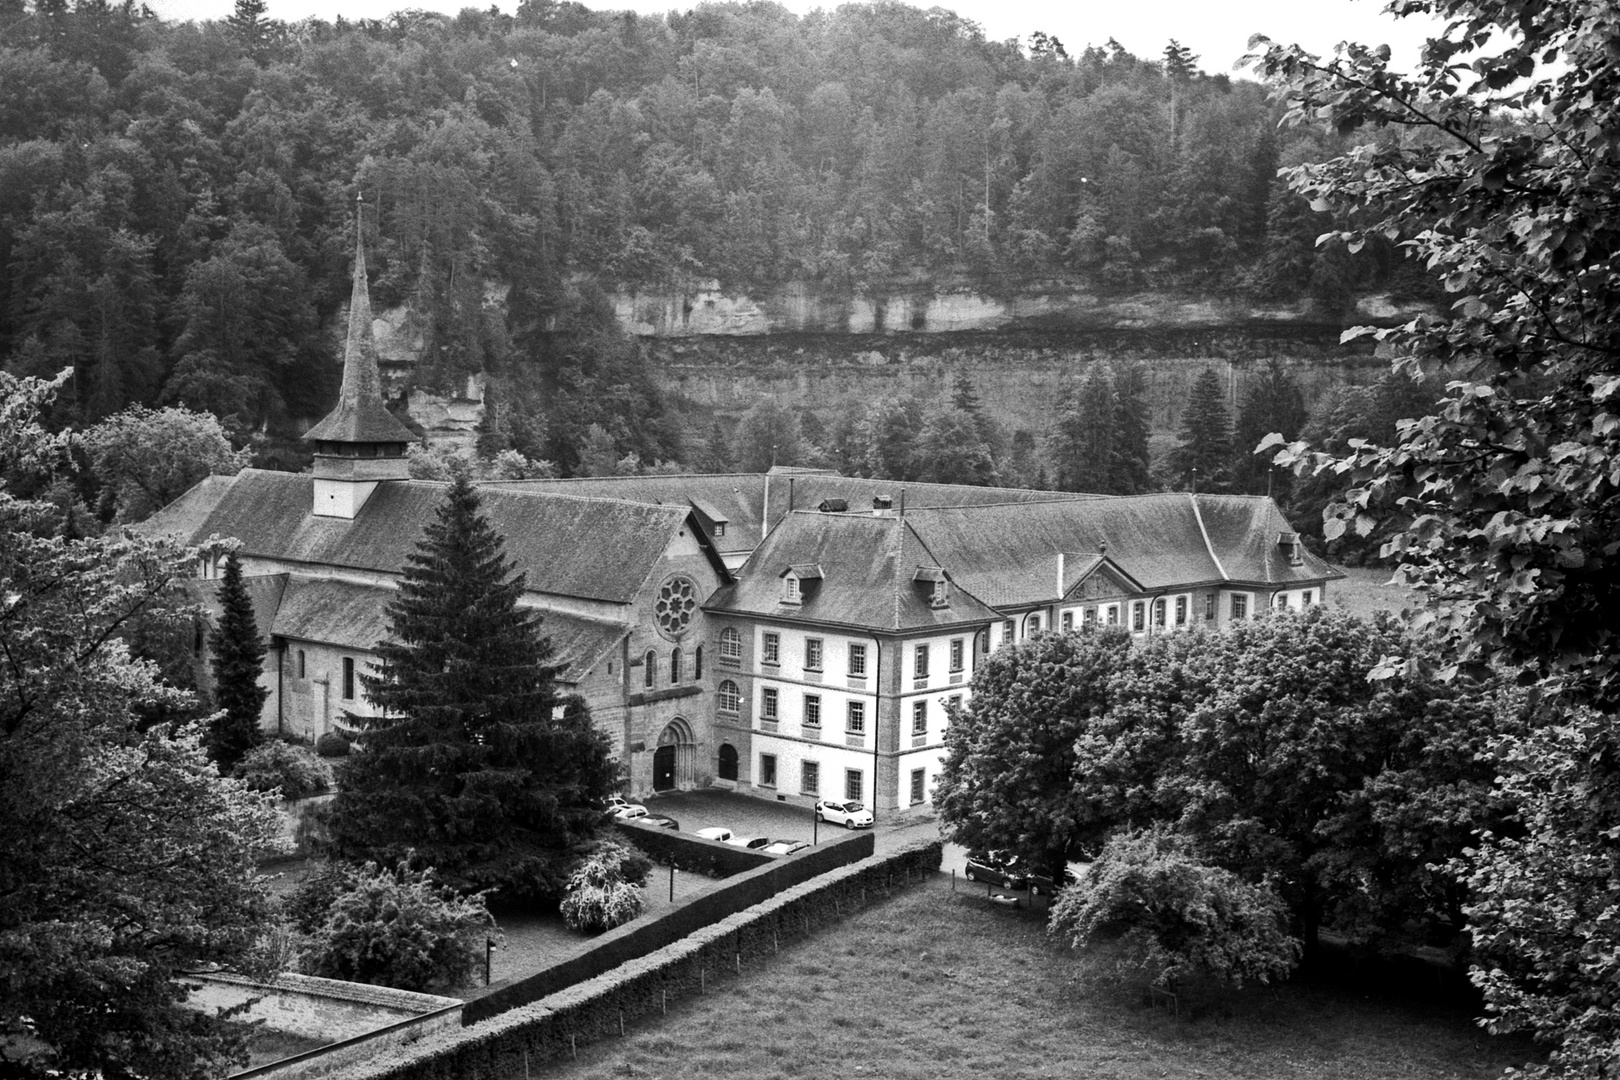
(693, 854)
(507, 1044)
(643, 936)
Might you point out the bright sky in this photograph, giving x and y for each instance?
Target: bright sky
(1218, 32)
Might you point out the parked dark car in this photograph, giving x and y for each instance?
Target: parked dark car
(1043, 885)
(995, 867)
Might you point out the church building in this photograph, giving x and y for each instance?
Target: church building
(795, 634)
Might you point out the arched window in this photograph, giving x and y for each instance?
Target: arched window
(727, 698)
(728, 761)
(730, 644)
(302, 670)
(697, 663)
(674, 666)
(1158, 612)
(649, 664)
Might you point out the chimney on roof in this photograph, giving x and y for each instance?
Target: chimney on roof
(1060, 576)
(1102, 548)
(902, 502)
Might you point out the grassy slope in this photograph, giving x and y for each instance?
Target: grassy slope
(1366, 589)
(933, 984)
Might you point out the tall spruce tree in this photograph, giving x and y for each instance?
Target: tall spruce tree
(238, 653)
(477, 763)
(1205, 454)
(1274, 403)
(1133, 464)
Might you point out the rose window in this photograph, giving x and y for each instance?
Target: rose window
(676, 604)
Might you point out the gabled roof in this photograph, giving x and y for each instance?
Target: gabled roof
(740, 499)
(1007, 555)
(264, 591)
(598, 549)
(870, 562)
(355, 616)
(1077, 569)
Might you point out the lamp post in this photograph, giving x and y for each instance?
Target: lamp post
(672, 881)
(489, 951)
(815, 827)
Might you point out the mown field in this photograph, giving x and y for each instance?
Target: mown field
(1365, 590)
(933, 984)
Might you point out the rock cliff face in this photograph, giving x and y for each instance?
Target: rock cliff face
(718, 353)
(704, 310)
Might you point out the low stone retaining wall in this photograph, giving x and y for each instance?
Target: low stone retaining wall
(638, 938)
(508, 1044)
(311, 1007)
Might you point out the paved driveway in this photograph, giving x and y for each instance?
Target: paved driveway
(746, 815)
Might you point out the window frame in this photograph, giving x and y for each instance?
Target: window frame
(770, 704)
(919, 661)
(1181, 611)
(348, 678)
(675, 666)
(919, 786)
(730, 644)
(855, 718)
(919, 717)
(815, 653)
(855, 786)
(1138, 616)
(722, 695)
(1240, 606)
(811, 717)
(770, 648)
(810, 778)
(767, 770)
(958, 655)
(649, 669)
(857, 660)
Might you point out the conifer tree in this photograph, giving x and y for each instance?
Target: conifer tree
(1133, 464)
(1274, 403)
(477, 763)
(238, 660)
(1202, 459)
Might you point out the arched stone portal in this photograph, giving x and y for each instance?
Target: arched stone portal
(728, 761)
(674, 759)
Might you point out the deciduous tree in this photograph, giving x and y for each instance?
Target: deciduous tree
(128, 860)
(147, 458)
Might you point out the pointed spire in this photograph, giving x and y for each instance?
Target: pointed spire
(360, 416)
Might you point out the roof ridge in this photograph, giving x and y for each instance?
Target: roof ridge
(1198, 516)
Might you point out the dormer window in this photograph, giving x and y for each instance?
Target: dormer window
(939, 587)
(1290, 543)
(797, 580)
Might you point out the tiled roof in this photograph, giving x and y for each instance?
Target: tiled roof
(596, 549)
(1244, 530)
(264, 592)
(870, 563)
(355, 616)
(739, 498)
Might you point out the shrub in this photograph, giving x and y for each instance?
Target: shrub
(332, 744)
(400, 928)
(307, 906)
(281, 767)
(1179, 917)
(605, 890)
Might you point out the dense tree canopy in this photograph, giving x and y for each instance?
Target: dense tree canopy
(127, 859)
(1500, 502)
(476, 766)
(1265, 745)
(157, 174)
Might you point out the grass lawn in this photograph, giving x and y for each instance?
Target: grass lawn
(1366, 589)
(932, 984)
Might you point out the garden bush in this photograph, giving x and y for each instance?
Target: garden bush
(605, 891)
(1177, 917)
(291, 771)
(332, 744)
(399, 927)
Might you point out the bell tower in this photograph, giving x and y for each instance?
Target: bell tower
(360, 444)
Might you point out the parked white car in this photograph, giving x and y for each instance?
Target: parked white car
(784, 847)
(715, 832)
(752, 842)
(630, 811)
(851, 815)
